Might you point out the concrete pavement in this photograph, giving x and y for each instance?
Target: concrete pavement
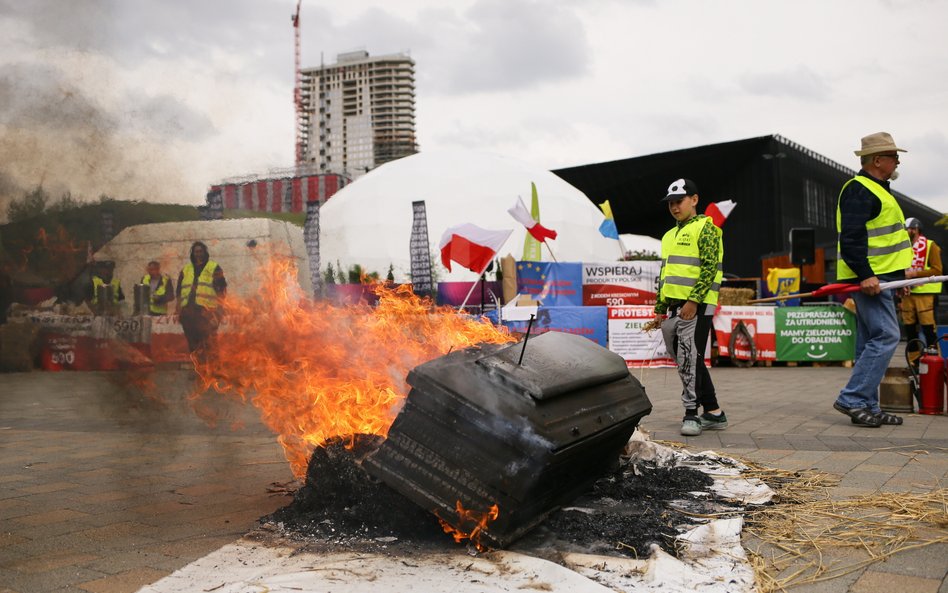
(103, 489)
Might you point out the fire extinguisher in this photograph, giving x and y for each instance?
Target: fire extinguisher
(931, 382)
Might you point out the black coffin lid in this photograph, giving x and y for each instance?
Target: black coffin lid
(473, 429)
(555, 363)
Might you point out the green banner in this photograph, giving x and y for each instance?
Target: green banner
(815, 333)
(531, 247)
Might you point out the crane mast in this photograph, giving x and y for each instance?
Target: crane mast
(297, 87)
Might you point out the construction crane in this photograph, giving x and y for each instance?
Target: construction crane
(297, 87)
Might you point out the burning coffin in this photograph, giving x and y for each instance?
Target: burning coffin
(525, 429)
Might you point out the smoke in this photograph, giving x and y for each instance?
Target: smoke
(53, 133)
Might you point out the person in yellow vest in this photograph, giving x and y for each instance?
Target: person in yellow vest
(689, 281)
(103, 274)
(201, 285)
(918, 306)
(873, 247)
(161, 289)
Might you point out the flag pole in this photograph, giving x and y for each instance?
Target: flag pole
(848, 287)
(474, 285)
(551, 251)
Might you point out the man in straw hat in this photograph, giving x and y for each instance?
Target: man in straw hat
(873, 247)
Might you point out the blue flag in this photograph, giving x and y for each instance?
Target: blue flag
(608, 227)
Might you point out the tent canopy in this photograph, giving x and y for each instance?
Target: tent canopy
(369, 221)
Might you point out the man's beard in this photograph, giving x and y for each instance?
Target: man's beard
(894, 176)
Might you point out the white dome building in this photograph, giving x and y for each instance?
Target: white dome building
(369, 221)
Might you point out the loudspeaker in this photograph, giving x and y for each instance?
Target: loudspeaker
(802, 246)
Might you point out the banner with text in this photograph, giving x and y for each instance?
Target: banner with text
(626, 338)
(589, 322)
(553, 284)
(420, 251)
(815, 333)
(759, 324)
(621, 283)
(311, 239)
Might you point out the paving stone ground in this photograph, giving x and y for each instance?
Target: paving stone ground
(103, 490)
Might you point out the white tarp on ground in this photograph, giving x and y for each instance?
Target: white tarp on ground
(240, 246)
(369, 221)
(712, 558)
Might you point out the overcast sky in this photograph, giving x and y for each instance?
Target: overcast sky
(158, 99)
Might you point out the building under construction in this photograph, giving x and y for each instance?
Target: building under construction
(358, 113)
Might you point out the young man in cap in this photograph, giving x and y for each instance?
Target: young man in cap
(873, 247)
(918, 306)
(691, 274)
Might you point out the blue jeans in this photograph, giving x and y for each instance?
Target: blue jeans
(877, 337)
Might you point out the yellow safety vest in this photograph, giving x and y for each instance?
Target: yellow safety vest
(681, 263)
(205, 295)
(890, 249)
(97, 282)
(931, 287)
(153, 307)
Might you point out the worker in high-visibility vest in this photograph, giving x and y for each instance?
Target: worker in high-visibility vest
(201, 285)
(161, 289)
(873, 247)
(918, 307)
(103, 274)
(692, 255)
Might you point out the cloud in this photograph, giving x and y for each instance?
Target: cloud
(796, 83)
(512, 45)
(169, 118)
(132, 32)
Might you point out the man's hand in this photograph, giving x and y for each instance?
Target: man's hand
(688, 310)
(870, 286)
(654, 324)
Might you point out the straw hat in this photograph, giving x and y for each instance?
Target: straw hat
(878, 143)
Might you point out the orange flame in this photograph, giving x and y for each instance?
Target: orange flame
(318, 371)
(468, 517)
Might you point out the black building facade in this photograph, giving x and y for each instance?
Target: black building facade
(777, 185)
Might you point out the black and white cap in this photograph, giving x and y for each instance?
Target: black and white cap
(679, 189)
(913, 223)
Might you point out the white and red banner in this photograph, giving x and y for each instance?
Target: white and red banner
(759, 322)
(471, 246)
(616, 284)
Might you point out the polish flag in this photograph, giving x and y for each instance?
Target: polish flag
(718, 211)
(522, 215)
(471, 246)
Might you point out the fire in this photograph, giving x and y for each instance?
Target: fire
(467, 517)
(317, 371)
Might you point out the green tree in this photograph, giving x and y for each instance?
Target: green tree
(33, 204)
(330, 275)
(391, 273)
(65, 202)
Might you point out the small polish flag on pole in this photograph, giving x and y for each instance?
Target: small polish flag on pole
(471, 246)
(719, 211)
(522, 215)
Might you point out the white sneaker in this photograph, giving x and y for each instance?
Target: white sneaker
(691, 426)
